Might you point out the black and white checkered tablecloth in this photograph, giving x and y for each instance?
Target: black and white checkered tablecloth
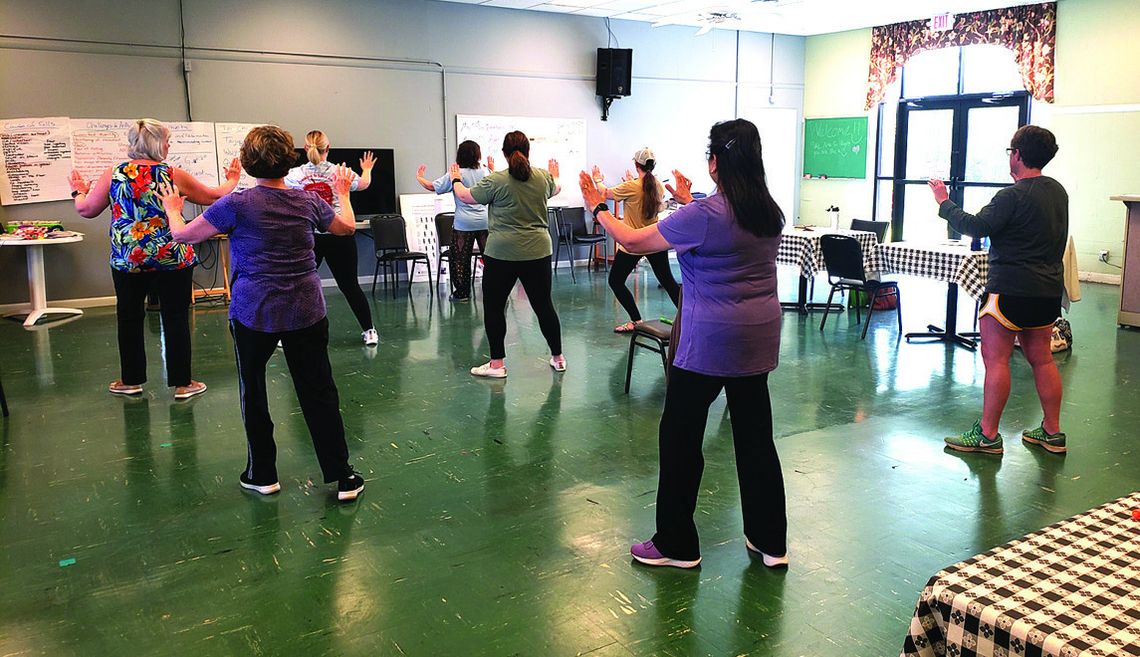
(801, 248)
(1069, 590)
(950, 263)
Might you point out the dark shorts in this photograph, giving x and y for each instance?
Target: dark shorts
(1020, 313)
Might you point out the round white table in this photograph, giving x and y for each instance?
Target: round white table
(37, 286)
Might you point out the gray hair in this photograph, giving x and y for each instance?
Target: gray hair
(145, 140)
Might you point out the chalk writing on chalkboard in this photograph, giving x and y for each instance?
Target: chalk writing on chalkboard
(836, 148)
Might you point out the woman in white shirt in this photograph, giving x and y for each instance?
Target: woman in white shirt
(318, 175)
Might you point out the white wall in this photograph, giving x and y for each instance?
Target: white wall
(331, 65)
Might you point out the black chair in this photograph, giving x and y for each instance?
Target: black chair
(879, 228)
(653, 335)
(391, 238)
(444, 225)
(3, 400)
(843, 258)
(572, 232)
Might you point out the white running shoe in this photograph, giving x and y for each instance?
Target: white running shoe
(769, 560)
(558, 365)
(371, 338)
(485, 370)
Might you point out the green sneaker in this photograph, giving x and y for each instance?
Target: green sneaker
(1053, 442)
(975, 441)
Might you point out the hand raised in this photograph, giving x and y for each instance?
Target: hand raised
(342, 180)
(628, 176)
(590, 192)
(596, 174)
(552, 167)
(233, 169)
(421, 171)
(453, 170)
(368, 161)
(682, 192)
(77, 183)
(490, 163)
(939, 189)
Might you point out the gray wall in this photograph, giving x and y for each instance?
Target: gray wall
(369, 73)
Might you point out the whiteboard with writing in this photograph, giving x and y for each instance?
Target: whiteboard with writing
(192, 150)
(228, 138)
(98, 145)
(561, 139)
(36, 156)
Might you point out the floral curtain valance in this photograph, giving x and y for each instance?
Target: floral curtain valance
(1030, 31)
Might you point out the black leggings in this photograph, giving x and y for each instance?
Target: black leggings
(688, 396)
(624, 264)
(499, 278)
(174, 288)
(340, 252)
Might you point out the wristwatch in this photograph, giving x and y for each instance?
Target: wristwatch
(75, 193)
(601, 207)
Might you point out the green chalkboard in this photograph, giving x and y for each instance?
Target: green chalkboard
(836, 148)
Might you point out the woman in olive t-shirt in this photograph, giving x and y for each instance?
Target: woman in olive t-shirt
(518, 248)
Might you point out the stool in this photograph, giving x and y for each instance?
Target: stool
(652, 335)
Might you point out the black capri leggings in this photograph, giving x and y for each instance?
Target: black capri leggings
(624, 264)
(499, 278)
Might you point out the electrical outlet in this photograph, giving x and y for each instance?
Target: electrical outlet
(1103, 256)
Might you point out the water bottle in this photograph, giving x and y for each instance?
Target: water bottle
(976, 244)
(833, 210)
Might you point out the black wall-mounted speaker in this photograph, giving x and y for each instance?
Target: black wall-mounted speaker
(615, 66)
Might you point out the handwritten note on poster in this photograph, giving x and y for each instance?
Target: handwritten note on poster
(228, 138)
(98, 144)
(36, 156)
(561, 139)
(192, 150)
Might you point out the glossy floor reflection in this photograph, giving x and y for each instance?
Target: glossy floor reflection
(498, 515)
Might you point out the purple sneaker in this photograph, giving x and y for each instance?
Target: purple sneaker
(648, 554)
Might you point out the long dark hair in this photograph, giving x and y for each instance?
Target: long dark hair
(740, 177)
(516, 148)
(650, 190)
(467, 156)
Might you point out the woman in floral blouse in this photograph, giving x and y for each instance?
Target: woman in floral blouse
(143, 254)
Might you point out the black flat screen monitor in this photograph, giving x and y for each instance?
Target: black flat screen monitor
(380, 197)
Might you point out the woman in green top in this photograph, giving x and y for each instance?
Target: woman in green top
(518, 247)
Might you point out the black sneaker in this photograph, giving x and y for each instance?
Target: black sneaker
(264, 488)
(349, 487)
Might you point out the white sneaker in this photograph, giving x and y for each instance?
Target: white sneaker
(486, 370)
(559, 366)
(371, 338)
(769, 560)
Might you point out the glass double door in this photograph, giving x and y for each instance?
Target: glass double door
(960, 140)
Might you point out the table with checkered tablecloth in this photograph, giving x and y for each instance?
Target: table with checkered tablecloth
(1069, 590)
(801, 248)
(953, 263)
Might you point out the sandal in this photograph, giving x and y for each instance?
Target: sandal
(628, 327)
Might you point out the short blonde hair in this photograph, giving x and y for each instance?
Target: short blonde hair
(316, 143)
(146, 140)
(267, 152)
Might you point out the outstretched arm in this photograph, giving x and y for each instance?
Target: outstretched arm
(91, 200)
(366, 164)
(424, 182)
(196, 192)
(636, 240)
(198, 230)
(461, 191)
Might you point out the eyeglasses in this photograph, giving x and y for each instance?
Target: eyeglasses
(1009, 151)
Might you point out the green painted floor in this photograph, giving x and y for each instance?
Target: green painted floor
(498, 515)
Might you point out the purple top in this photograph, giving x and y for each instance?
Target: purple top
(275, 282)
(730, 314)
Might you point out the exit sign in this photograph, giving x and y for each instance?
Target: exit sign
(942, 22)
